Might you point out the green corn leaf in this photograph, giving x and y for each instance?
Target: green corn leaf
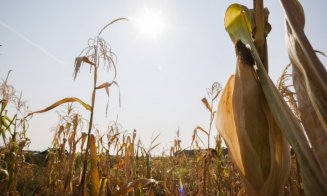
(58, 103)
(237, 24)
(3, 128)
(4, 103)
(10, 121)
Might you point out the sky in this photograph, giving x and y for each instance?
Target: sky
(162, 74)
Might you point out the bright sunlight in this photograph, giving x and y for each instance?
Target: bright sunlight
(151, 23)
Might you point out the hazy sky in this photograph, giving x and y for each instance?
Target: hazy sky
(162, 79)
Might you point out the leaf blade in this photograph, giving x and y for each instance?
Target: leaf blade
(60, 102)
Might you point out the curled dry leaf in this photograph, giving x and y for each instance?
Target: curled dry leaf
(78, 64)
(106, 86)
(206, 103)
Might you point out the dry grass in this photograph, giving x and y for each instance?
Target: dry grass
(122, 163)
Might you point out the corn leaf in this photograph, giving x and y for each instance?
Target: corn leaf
(4, 103)
(106, 86)
(78, 64)
(110, 23)
(83, 138)
(201, 129)
(94, 168)
(206, 103)
(310, 81)
(303, 56)
(239, 28)
(58, 103)
(310, 121)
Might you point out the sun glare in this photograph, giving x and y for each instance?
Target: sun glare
(151, 23)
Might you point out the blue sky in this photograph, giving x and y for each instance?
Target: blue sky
(161, 80)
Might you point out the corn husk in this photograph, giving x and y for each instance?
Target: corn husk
(244, 120)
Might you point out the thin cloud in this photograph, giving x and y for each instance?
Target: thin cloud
(23, 37)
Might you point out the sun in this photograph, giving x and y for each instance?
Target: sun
(151, 23)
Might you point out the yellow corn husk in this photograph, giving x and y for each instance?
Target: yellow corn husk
(244, 120)
(310, 83)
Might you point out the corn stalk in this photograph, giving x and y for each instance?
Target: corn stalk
(98, 52)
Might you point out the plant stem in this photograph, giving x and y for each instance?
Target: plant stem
(259, 34)
(95, 78)
(210, 125)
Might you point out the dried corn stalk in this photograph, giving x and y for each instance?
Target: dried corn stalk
(94, 168)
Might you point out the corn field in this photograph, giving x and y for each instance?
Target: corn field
(271, 139)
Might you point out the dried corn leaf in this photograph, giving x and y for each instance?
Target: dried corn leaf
(310, 121)
(58, 103)
(303, 56)
(83, 138)
(106, 86)
(94, 168)
(110, 23)
(78, 64)
(142, 183)
(308, 82)
(201, 129)
(206, 103)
